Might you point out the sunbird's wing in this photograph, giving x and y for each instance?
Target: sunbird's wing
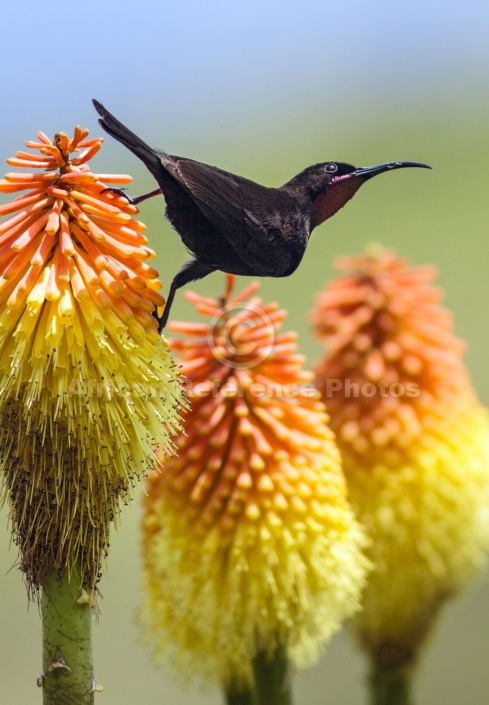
(222, 199)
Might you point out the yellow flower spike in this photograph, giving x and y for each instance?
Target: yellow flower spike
(88, 394)
(234, 564)
(415, 443)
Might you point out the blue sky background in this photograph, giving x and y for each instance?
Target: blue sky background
(264, 89)
(212, 63)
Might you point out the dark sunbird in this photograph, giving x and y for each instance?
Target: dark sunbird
(235, 225)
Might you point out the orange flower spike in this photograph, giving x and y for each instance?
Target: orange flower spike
(273, 563)
(415, 444)
(88, 385)
(385, 325)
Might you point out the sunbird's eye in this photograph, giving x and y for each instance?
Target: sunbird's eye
(331, 168)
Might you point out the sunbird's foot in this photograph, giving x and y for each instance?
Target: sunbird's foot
(162, 320)
(133, 200)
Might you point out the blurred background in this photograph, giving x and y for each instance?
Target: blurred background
(264, 89)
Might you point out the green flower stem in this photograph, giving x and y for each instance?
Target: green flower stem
(67, 642)
(272, 679)
(391, 686)
(242, 698)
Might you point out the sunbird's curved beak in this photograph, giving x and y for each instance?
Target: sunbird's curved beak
(367, 172)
